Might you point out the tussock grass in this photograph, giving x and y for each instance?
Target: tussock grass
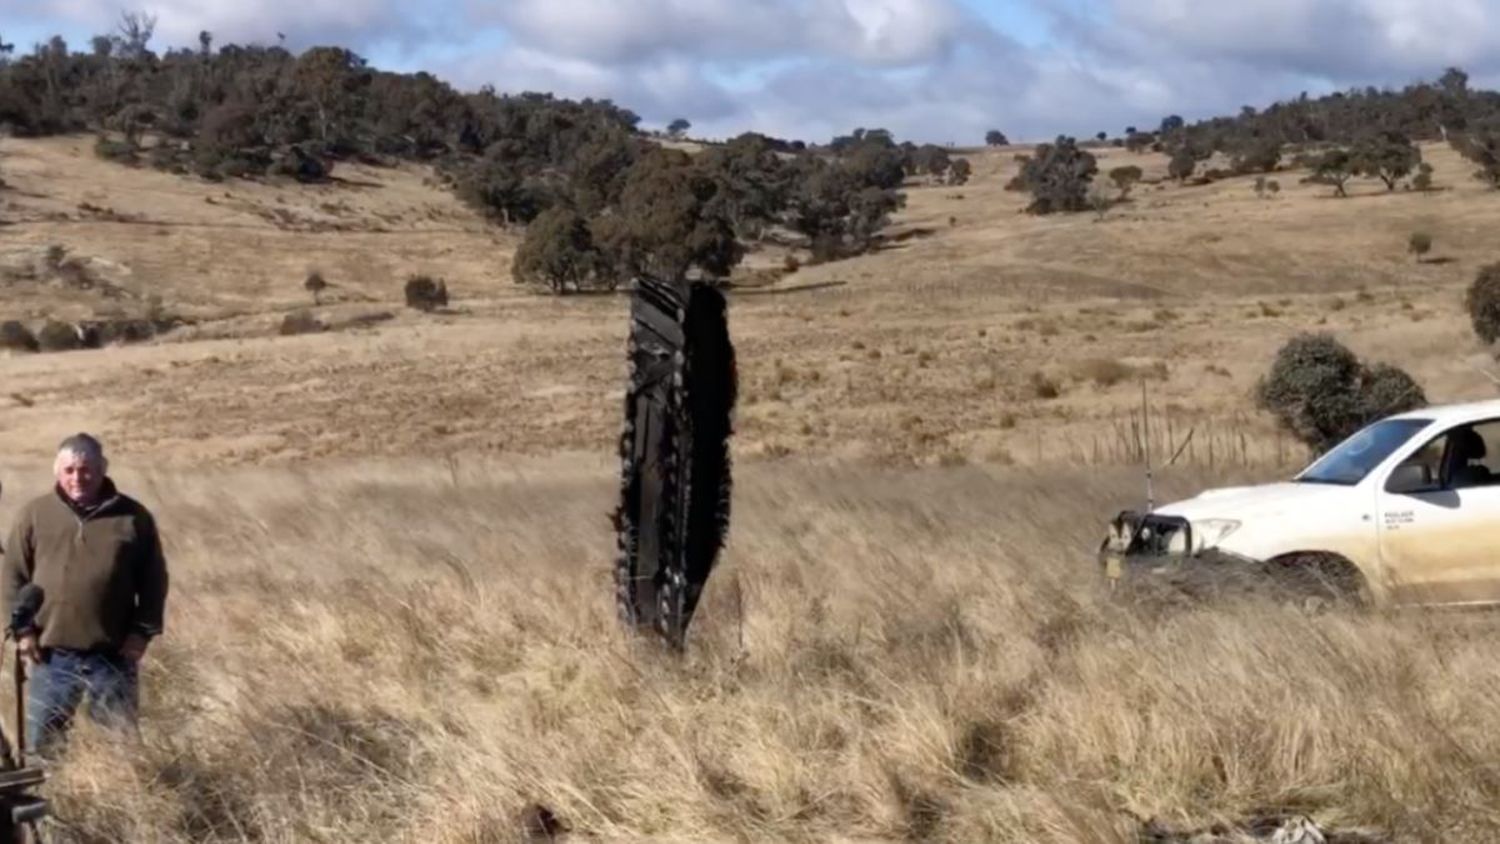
(423, 652)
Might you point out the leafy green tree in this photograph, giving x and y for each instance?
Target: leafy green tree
(752, 183)
(838, 213)
(1257, 155)
(1182, 164)
(663, 225)
(930, 160)
(1483, 302)
(1125, 178)
(1335, 167)
(1058, 176)
(1482, 148)
(559, 252)
(1388, 156)
(960, 171)
(329, 78)
(877, 165)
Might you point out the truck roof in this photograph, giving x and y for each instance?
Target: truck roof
(1449, 414)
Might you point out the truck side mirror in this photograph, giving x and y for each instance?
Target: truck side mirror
(1410, 478)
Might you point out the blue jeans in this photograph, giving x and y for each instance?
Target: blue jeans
(58, 684)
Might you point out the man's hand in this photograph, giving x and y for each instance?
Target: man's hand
(135, 647)
(27, 646)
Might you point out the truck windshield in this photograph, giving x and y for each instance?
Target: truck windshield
(1351, 460)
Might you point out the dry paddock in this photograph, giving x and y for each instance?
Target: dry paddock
(420, 651)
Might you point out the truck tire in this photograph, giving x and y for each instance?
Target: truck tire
(1320, 580)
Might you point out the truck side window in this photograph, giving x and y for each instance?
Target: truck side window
(1490, 433)
(1430, 458)
(1468, 462)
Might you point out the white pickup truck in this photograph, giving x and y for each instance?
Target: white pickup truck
(1406, 511)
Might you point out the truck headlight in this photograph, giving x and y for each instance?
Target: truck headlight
(1210, 532)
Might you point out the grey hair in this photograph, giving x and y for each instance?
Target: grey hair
(82, 445)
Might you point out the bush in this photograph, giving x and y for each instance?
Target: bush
(1420, 244)
(119, 151)
(1483, 302)
(1106, 372)
(1423, 180)
(960, 171)
(1044, 387)
(300, 322)
(58, 337)
(1320, 391)
(425, 294)
(16, 337)
(315, 284)
(1125, 178)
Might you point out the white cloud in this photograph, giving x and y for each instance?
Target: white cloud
(352, 23)
(1337, 39)
(926, 69)
(881, 32)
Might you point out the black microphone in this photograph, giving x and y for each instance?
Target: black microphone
(23, 614)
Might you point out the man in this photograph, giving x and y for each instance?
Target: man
(97, 557)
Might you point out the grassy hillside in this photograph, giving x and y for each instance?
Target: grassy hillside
(929, 350)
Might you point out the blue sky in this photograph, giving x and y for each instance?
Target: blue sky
(929, 70)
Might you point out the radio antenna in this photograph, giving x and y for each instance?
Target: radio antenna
(1146, 427)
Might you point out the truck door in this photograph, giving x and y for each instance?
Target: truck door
(1439, 519)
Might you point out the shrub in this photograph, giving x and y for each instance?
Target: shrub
(17, 337)
(300, 322)
(315, 284)
(1420, 244)
(1125, 178)
(1320, 391)
(1423, 180)
(1483, 302)
(425, 294)
(58, 337)
(1106, 372)
(121, 331)
(119, 151)
(960, 171)
(1099, 201)
(1184, 161)
(1044, 387)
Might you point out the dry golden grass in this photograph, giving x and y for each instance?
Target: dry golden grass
(419, 652)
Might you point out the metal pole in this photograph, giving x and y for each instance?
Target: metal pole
(20, 707)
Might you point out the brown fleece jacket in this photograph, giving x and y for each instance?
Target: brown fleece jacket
(102, 572)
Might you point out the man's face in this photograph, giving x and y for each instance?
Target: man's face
(79, 477)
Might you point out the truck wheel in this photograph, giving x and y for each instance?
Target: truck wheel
(1320, 581)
